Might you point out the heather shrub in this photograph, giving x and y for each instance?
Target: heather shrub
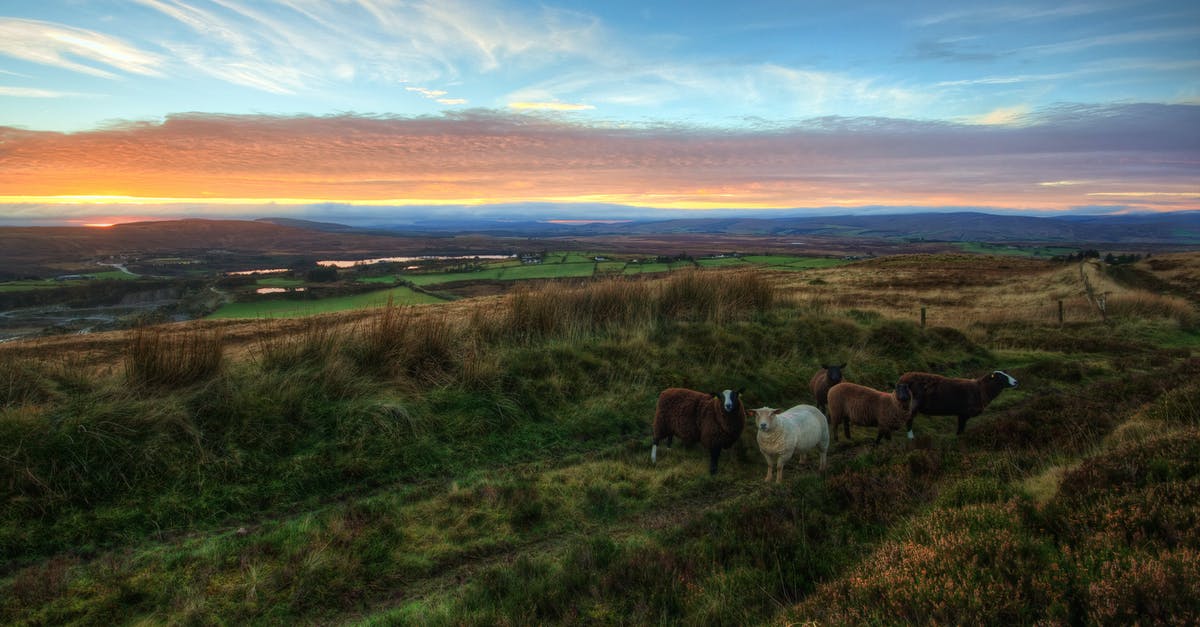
(971, 565)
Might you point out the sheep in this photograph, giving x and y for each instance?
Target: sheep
(935, 395)
(850, 402)
(784, 433)
(825, 378)
(714, 420)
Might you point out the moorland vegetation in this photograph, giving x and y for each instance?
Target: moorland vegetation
(489, 463)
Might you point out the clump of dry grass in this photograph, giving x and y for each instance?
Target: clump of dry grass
(1142, 304)
(715, 296)
(554, 310)
(400, 341)
(22, 381)
(316, 341)
(156, 358)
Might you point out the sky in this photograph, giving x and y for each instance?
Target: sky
(380, 110)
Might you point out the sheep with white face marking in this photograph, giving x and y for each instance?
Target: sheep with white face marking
(714, 420)
(850, 402)
(782, 434)
(935, 395)
(825, 378)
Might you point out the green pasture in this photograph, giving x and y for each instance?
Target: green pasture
(388, 280)
(509, 273)
(720, 262)
(295, 308)
(983, 248)
(789, 262)
(279, 281)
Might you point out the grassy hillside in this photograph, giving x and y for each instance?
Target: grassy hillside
(492, 467)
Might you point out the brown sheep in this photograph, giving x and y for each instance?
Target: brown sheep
(714, 420)
(935, 395)
(826, 377)
(850, 402)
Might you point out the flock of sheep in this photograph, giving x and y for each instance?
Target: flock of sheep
(716, 420)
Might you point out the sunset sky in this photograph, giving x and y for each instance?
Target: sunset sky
(379, 110)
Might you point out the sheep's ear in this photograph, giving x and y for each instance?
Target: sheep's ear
(840, 367)
(741, 391)
(777, 412)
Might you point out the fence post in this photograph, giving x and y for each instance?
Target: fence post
(922, 317)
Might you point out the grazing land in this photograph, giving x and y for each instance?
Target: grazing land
(486, 460)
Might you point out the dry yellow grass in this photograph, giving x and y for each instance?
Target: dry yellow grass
(958, 290)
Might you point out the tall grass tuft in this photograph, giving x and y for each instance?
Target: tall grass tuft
(22, 381)
(316, 343)
(155, 358)
(1140, 304)
(715, 296)
(553, 310)
(400, 342)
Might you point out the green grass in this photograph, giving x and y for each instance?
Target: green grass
(293, 308)
(723, 262)
(508, 273)
(279, 281)
(647, 268)
(43, 284)
(494, 470)
(378, 279)
(794, 263)
(24, 286)
(113, 275)
(984, 248)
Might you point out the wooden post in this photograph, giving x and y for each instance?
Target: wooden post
(1060, 312)
(922, 317)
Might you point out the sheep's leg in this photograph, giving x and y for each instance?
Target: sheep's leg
(713, 453)
(962, 423)
(909, 424)
(846, 425)
(654, 453)
(779, 472)
(822, 467)
(770, 466)
(879, 437)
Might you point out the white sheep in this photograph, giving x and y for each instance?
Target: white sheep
(782, 434)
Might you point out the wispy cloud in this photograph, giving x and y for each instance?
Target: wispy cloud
(1003, 116)
(1145, 154)
(437, 95)
(1012, 13)
(32, 92)
(550, 106)
(56, 45)
(292, 45)
(1113, 39)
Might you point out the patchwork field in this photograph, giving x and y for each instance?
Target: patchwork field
(486, 461)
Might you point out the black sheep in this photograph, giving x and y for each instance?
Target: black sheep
(714, 420)
(935, 395)
(826, 377)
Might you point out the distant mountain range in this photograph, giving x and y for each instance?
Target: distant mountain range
(50, 251)
(1178, 228)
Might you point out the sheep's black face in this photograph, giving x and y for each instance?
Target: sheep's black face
(1004, 378)
(834, 373)
(729, 400)
(903, 394)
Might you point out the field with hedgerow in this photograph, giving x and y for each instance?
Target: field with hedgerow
(487, 461)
